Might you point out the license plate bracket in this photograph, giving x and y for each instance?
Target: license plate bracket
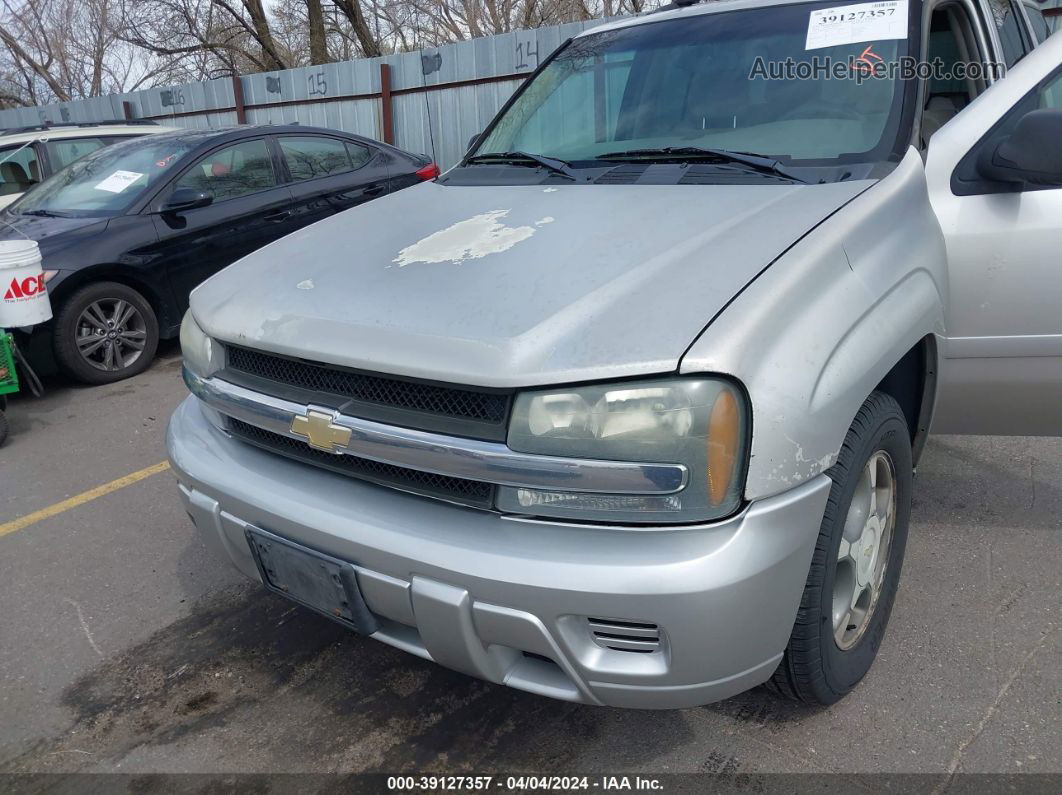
(320, 582)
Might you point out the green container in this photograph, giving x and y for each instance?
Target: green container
(8, 377)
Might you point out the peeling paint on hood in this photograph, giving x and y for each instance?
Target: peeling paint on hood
(509, 286)
(473, 238)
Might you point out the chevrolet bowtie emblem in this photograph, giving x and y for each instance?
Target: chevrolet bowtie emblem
(320, 430)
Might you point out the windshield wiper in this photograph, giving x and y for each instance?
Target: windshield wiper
(759, 163)
(525, 159)
(46, 213)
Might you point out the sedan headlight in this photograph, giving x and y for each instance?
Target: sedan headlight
(201, 354)
(699, 422)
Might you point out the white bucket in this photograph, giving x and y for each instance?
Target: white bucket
(23, 294)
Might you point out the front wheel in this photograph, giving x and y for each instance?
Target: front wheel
(105, 332)
(855, 570)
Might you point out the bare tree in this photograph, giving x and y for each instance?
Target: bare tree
(59, 50)
(315, 26)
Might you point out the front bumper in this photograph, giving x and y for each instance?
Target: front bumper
(508, 599)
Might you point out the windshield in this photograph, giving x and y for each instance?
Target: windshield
(721, 81)
(107, 181)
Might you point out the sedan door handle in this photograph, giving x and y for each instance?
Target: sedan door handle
(375, 190)
(279, 215)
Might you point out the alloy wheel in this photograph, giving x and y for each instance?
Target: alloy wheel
(864, 551)
(111, 334)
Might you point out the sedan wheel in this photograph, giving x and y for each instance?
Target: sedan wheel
(111, 334)
(105, 332)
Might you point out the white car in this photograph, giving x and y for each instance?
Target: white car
(29, 155)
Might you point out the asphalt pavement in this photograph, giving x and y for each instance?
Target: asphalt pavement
(125, 647)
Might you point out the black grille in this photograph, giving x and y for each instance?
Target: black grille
(452, 402)
(467, 492)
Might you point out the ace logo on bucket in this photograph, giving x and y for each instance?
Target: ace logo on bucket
(25, 289)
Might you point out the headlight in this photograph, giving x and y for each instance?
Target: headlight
(201, 354)
(699, 422)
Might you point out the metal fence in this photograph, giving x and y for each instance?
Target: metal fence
(459, 87)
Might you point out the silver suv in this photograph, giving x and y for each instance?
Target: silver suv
(624, 409)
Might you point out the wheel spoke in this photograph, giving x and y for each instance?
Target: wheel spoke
(134, 340)
(117, 311)
(841, 628)
(859, 604)
(859, 510)
(845, 552)
(93, 316)
(108, 356)
(129, 313)
(89, 344)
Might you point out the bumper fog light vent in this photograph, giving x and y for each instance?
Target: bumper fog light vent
(632, 636)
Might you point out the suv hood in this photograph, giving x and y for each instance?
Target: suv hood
(509, 286)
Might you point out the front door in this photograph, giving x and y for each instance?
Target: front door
(249, 210)
(1001, 371)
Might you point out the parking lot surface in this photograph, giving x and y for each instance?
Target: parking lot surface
(125, 647)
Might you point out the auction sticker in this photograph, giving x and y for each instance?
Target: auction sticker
(830, 27)
(118, 181)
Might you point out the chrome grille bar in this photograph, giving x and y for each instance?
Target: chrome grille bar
(489, 462)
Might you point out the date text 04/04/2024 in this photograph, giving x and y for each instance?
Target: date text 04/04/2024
(523, 782)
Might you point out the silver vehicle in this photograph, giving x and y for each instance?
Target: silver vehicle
(619, 413)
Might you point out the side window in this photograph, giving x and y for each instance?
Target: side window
(1006, 22)
(951, 42)
(237, 170)
(64, 151)
(1040, 29)
(359, 155)
(312, 157)
(19, 169)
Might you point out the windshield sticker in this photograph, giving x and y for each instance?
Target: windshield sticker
(473, 238)
(830, 27)
(165, 161)
(118, 181)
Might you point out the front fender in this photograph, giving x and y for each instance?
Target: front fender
(818, 330)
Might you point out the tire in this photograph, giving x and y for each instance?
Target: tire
(81, 335)
(830, 651)
(3, 427)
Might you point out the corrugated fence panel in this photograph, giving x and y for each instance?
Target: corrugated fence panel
(456, 115)
(346, 96)
(357, 116)
(201, 121)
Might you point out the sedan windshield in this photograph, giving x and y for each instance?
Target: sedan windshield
(720, 81)
(107, 181)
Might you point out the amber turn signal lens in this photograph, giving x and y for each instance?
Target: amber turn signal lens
(723, 438)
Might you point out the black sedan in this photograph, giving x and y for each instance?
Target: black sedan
(128, 231)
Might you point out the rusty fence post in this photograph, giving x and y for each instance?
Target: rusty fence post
(237, 99)
(387, 112)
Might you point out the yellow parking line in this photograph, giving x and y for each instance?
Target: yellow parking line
(82, 498)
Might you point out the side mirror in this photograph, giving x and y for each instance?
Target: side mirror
(1029, 155)
(183, 199)
(472, 141)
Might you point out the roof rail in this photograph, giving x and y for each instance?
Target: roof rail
(49, 125)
